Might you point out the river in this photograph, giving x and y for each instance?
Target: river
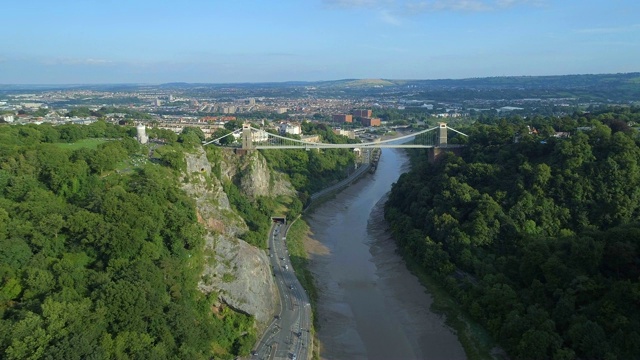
(370, 306)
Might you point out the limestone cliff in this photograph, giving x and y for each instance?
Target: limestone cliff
(238, 272)
(252, 176)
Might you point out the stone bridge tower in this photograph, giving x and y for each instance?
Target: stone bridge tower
(442, 134)
(247, 137)
(441, 145)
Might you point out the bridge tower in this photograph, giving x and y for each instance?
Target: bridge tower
(247, 138)
(435, 152)
(442, 134)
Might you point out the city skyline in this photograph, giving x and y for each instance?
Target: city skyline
(69, 42)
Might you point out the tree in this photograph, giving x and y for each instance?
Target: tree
(194, 130)
(551, 227)
(233, 125)
(223, 132)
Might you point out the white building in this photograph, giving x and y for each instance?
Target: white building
(259, 136)
(142, 135)
(8, 118)
(290, 128)
(348, 133)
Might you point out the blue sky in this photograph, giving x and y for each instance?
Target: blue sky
(220, 41)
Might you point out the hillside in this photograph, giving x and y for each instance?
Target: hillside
(536, 236)
(107, 253)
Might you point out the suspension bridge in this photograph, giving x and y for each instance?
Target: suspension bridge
(251, 138)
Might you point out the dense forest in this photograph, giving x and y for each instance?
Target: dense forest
(101, 251)
(535, 233)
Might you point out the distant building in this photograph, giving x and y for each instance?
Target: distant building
(362, 113)
(509, 108)
(342, 118)
(290, 128)
(229, 110)
(367, 121)
(33, 105)
(7, 118)
(281, 110)
(158, 102)
(142, 135)
(348, 133)
(259, 136)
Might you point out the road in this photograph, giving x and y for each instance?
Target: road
(288, 335)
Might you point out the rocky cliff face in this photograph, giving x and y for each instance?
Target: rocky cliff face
(239, 273)
(252, 175)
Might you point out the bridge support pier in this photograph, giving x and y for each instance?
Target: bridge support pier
(247, 138)
(435, 153)
(442, 134)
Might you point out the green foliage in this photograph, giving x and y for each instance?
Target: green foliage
(98, 264)
(310, 171)
(257, 216)
(219, 133)
(172, 156)
(233, 125)
(162, 134)
(193, 130)
(538, 238)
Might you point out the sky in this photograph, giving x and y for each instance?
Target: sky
(227, 41)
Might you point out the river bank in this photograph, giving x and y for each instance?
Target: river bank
(369, 305)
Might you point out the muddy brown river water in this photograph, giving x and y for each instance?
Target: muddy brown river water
(370, 306)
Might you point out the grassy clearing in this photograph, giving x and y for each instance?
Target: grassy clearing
(131, 163)
(85, 143)
(475, 340)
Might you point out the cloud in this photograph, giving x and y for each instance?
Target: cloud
(76, 61)
(466, 5)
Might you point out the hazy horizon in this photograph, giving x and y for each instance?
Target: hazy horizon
(302, 81)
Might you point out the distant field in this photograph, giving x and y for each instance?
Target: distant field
(86, 143)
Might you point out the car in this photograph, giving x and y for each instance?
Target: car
(282, 258)
(291, 287)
